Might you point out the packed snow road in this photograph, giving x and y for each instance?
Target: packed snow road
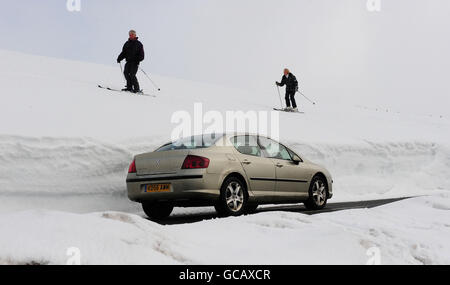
(209, 213)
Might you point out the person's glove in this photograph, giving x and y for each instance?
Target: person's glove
(118, 61)
(277, 83)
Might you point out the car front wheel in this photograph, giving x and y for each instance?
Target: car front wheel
(157, 211)
(318, 194)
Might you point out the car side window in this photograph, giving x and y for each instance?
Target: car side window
(293, 154)
(272, 149)
(246, 145)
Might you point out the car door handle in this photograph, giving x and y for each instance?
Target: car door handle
(279, 165)
(246, 162)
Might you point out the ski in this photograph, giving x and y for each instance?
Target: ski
(118, 90)
(282, 110)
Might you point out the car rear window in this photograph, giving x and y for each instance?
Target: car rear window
(193, 142)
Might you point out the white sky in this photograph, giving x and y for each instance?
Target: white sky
(396, 57)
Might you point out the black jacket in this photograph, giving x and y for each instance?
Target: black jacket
(132, 51)
(290, 82)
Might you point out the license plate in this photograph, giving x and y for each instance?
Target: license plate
(151, 188)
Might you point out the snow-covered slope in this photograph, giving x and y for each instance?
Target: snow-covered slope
(41, 169)
(65, 145)
(52, 97)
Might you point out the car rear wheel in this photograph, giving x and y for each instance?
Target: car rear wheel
(157, 211)
(318, 194)
(233, 198)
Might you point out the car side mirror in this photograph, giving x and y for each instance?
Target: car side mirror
(296, 159)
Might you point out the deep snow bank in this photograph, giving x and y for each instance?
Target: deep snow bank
(63, 165)
(84, 166)
(346, 237)
(371, 170)
(67, 174)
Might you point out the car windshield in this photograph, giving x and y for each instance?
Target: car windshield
(193, 142)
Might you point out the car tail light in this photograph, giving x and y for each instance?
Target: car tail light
(132, 168)
(195, 162)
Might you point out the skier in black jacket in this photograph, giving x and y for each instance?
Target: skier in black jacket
(133, 52)
(291, 83)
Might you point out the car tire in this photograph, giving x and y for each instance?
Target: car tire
(157, 211)
(318, 194)
(233, 198)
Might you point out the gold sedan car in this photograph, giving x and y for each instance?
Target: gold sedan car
(232, 172)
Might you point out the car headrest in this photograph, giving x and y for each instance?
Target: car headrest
(246, 149)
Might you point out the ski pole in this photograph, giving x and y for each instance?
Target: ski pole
(279, 95)
(121, 72)
(314, 103)
(154, 84)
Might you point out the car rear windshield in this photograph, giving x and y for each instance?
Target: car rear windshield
(194, 142)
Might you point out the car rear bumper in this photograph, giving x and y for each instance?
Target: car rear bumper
(184, 189)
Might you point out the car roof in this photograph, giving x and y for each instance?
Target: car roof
(229, 135)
